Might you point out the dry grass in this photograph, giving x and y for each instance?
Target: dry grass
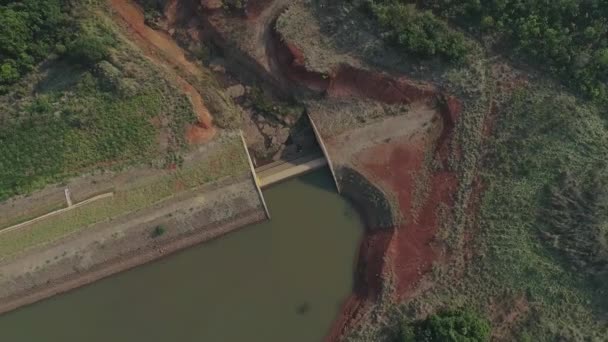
(299, 25)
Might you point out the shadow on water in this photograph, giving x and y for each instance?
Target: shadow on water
(325, 182)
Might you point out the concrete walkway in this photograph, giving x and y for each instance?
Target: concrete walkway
(283, 170)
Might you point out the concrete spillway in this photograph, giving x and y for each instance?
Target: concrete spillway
(283, 170)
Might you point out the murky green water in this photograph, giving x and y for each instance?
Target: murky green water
(279, 281)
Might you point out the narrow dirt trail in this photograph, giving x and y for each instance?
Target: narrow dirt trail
(160, 48)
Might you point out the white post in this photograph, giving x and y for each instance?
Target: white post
(68, 197)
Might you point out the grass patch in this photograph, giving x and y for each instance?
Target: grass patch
(300, 26)
(228, 160)
(10, 220)
(543, 136)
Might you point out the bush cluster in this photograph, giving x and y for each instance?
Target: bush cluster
(449, 326)
(568, 38)
(33, 30)
(417, 32)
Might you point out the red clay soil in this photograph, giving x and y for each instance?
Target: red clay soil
(348, 81)
(407, 252)
(161, 48)
(371, 266)
(290, 61)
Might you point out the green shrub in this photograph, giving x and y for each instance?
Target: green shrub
(450, 326)
(418, 32)
(567, 38)
(9, 72)
(153, 12)
(158, 231)
(88, 49)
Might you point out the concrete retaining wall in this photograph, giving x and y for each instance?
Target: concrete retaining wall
(325, 152)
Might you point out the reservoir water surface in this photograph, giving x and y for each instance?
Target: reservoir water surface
(283, 280)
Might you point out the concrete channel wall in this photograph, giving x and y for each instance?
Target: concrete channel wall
(254, 175)
(325, 152)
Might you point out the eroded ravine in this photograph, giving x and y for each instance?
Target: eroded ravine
(161, 49)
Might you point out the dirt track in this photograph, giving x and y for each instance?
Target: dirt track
(160, 47)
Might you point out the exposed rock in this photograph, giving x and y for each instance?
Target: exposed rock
(235, 91)
(288, 120)
(268, 130)
(279, 153)
(217, 68)
(254, 138)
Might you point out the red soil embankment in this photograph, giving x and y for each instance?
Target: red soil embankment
(348, 81)
(161, 49)
(408, 251)
(290, 62)
(411, 249)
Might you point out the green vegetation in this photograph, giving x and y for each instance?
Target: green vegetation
(455, 326)
(106, 111)
(226, 160)
(568, 38)
(158, 231)
(89, 48)
(576, 220)
(31, 30)
(418, 32)
(543, 140)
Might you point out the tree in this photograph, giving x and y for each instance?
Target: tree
(30, 31)
(418, 32)
(88, 50)
(8, 72)
(449, 326)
